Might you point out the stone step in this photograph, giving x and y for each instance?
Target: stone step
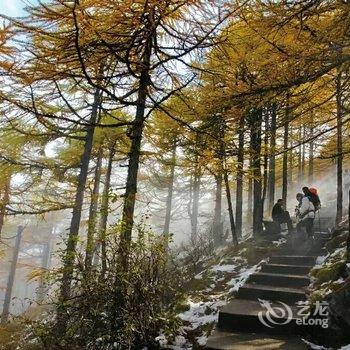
(258, 291)
(283, 280)
(286, 269)
(293, 260)
(241, 315)
(220, 340)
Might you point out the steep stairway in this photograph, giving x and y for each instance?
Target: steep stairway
(283, 282)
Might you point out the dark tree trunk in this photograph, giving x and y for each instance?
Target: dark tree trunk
(303, 157)
(11, 278)
(170, 190)
(239, 188)
(300, 174)
(272, 161)
(250, 190)
(285, 156)
(93, 213)
(348, 239)
(230, 209)
(265, 166)
(311, 159)
(104, 211)
(291, 166)
(256, 121)
(68, 260)
(134, 157)
(311, 152)
(339, 215)
(220, 155)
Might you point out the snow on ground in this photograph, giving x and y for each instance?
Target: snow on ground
(314, 346)
(279, 242)
(201, 313)
(320, 260)
(201, 317)
(224, 268)
(319, 347)
(244, 274)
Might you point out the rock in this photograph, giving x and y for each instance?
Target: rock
(339, 306)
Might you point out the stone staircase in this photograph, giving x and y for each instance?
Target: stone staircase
(283, 278)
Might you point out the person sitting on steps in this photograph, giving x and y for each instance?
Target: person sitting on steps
(281, 216)
(305, 213)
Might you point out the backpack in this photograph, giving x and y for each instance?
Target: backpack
(313, 191)
(314, 198)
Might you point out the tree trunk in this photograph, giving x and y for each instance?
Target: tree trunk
(265, 166)
(256, 164)
(230, 209)
(220, 155)
(303, 157)
(348, 239)
(250, 193)
(291, 166)
(339, 214)
(4, 203)
(170, 189)
(134, 157)
(11, 278)
(93, 213)
(285, 156)
(217, 222)
(195, 201)
(239, 176)
(68, 260)
(272, 161)
(104, 212)
(45, 264)
(300, 174)
(311, 153)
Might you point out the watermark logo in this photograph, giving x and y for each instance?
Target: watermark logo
(278, 314)
(275, 315)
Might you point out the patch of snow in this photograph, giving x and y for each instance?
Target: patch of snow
(197, 314)
(161, 339)
(320, 260)
(223, 268)
(198, 276)
(314, 346)
(279, 242)
(345, 347)
(180, 340)
(244, 274)
(202, 340)
(339, 251)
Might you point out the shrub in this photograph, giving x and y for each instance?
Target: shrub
(122, 309)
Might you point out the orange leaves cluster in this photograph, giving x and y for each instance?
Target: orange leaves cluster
(5, 49)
